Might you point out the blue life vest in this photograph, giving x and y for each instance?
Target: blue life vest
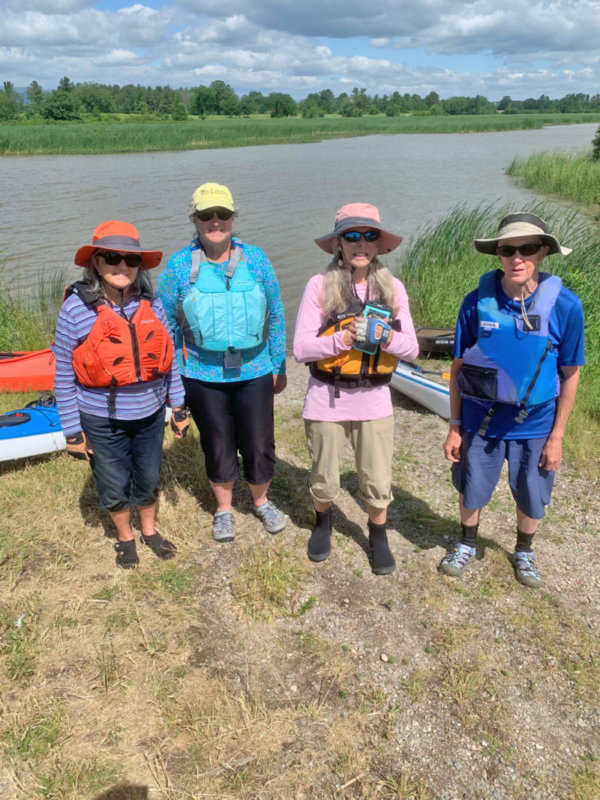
(511, 363)
(222, 313)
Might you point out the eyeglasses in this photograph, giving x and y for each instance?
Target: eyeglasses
(208, 214)
(131, 260)
(508, 250)
(355, 236)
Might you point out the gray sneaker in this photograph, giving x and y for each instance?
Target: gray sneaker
(223, 529)
(526, 571)
(454, 562)
(271, 517)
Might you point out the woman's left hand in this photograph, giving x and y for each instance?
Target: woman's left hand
(180, 422)
(279, 383)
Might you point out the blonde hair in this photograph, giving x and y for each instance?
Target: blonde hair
(337, 293)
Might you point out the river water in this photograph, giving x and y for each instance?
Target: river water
(286, 195)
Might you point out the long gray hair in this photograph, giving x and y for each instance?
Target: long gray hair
(337, 286)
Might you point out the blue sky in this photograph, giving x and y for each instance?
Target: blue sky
(453, 47)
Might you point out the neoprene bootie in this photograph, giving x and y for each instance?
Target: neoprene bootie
(319, 544)
(382, 558)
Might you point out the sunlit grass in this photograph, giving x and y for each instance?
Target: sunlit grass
(574, 176)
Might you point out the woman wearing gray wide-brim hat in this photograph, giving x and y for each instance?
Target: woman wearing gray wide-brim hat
(517, 352)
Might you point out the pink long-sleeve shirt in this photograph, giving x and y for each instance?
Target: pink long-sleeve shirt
(365, 402)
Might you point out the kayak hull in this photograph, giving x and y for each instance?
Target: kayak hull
(30, 431)
(412, 383)
(435, 340)
(31, 371)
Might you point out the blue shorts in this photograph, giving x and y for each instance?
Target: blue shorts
(127, 458)
(478, 472)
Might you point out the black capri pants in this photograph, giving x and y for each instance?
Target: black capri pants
(231, 417)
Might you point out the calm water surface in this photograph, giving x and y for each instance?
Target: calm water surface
(286, 194)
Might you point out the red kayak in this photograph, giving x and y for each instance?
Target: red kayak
(32, 371)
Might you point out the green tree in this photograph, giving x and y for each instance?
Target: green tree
(35, 95)
(432, 99)
(204, 101)
(179, 113)
(9, 105)
(60, 106)
(596, 145)
(65, 85)
(282, 105)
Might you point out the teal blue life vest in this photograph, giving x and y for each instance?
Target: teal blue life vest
(511, 362)
(223, 313)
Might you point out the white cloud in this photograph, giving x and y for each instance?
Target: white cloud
(450, 46)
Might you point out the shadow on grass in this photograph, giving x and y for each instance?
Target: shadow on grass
(123, 791)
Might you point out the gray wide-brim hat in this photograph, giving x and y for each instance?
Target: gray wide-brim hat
(517, 225)
(359, 215)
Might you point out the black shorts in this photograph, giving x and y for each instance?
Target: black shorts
(234, 417)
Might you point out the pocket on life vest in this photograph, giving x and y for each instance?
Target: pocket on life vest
(479, 382)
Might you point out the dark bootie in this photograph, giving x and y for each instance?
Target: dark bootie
(319, 544)
(382, 558)
(127, 557)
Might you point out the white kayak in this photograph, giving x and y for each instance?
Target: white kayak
(413, 383)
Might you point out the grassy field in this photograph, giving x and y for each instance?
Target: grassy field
(441, 265)
(244, 672)
(114, 137)
(574, 176)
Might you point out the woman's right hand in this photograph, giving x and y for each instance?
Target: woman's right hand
(349, 336)
(78, 447)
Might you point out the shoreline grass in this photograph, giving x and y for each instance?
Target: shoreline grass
(573, 176)
(217, 132)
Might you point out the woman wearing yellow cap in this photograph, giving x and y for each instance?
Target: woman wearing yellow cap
(222, 300)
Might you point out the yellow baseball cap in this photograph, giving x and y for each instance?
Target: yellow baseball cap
(212, 195)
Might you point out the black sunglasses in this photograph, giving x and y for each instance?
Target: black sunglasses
(508, 250)
(208, 214)
(354, 236)
(112, 259)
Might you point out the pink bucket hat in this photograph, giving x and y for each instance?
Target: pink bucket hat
(355, 215)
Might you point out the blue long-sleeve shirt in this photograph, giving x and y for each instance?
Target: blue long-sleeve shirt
(136, 401)
(174, 285)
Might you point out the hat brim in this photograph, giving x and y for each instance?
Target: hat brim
(385, 244)
(150, 258)
(488, 246)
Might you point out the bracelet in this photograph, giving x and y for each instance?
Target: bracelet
(455, 422)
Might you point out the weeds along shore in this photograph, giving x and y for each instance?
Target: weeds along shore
(574, 176)
(112, 135)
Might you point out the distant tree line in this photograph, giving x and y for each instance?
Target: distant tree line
(71, 101)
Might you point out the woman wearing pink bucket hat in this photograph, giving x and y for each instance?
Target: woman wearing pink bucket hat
(353, 325)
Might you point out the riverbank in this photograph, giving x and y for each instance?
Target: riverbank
(572, 176)
(217, 132)
(245, 671)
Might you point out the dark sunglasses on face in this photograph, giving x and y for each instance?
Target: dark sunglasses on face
(208, 214)
(131, 259)
(508, 250)
(355, 236)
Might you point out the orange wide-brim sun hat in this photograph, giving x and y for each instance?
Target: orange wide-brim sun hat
(119, 236)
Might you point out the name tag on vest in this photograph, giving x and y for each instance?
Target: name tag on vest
(488, 324)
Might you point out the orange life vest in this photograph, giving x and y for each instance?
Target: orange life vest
(119, 352)
(352, 368)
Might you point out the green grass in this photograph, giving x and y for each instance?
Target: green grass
(441, 266)
(574, 176)
(122, 137)
(29, 324)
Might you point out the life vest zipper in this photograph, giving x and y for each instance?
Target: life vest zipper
(135, 349)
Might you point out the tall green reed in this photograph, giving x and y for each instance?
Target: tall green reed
(29, 323)
(574, 176)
